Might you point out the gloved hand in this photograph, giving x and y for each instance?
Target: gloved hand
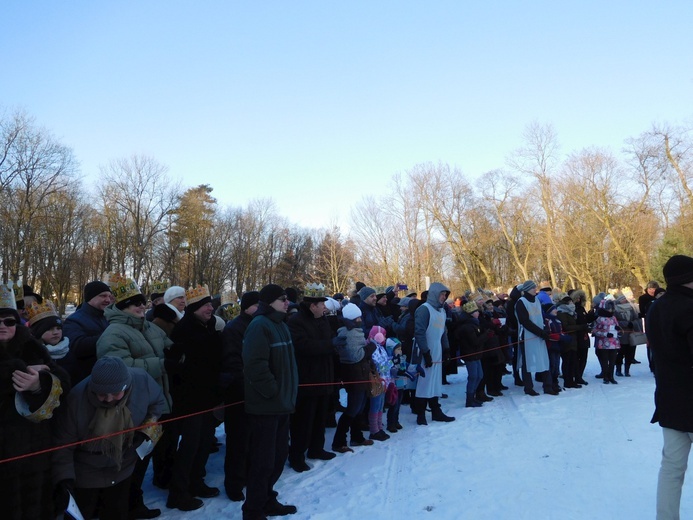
(545, 335)
(428, 360)
(609, 335)
(339, 341)
(420, 370)
(554, 337)
(61, 495)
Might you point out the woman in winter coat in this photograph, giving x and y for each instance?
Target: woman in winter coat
(140, 344)
(583, 320)
(470, 338)
(569, 349)
(629, 321)
(607, 331)
(31, 387)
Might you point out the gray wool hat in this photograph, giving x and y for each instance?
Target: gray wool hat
(109, 376)
(526, 286)
(365, 292)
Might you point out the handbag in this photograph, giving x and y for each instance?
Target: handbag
(376, 385)
(391, 395)
(637, 338)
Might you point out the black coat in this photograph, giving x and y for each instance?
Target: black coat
(670, 336)
(232, 357)
(193, 364)
(469, 336)
(312, 339)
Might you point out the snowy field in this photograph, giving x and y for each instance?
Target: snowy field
(588, 453)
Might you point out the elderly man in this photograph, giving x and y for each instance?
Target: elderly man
(84, 328)
(670, 333)
(271, 386)
(312, 337)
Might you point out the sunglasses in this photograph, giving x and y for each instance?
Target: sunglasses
(8, 322)
(282, 298)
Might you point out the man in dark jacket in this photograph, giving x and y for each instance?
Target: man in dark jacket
(312, 337)
(670, 334)
(193, 368)
(271, 386)
(235, 421)
(84, 327)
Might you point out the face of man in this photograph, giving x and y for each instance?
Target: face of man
(205, 312)
(318, 309)
(281, 304)
(370, 300)
(382, 300)
(101, 300)
(252, 309)
(532, 291)
(110, 398)
(179, 303)
(442, 297)
(651, 290)
(7, 332)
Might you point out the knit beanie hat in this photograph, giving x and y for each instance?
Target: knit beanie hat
(359, 286)
(377, 334)
(404, 302)
(109, 376)
(678, 270)
(365, 292)
(351, 311)
(249, 299)
(470, 307)
(93, 289)
(172, 293)
(271, 292)
(43, 325)
(291, 294)
(526, 286)
(192, 307)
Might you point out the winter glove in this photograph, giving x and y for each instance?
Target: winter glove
(554, 337)
(428, 360)
(339, 341)
(609, 335)
(420, 371)
(406, 374)
(61, 495)
(545, 336)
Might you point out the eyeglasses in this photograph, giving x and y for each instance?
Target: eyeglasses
(8, 322)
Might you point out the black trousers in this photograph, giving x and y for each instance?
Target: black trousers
(582, 353)
(236, 460)
(307, 426)
(188, 471)
(268, 449)
(569, 366)
(111, 501)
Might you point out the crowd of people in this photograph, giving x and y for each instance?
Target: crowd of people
(116, 385)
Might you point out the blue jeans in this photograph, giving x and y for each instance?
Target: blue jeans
(377, 403)
(554, 366)
(474, 375)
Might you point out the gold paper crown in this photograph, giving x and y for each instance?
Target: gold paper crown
(121, 287)
(18, 290)
(7, 300)
(195, 294)
(38, 311)
(314, 290)
(228, 297)
(158, 286)
(230, 311)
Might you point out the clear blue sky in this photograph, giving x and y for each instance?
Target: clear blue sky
(319, 103)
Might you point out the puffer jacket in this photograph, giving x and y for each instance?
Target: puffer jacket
(138, 343)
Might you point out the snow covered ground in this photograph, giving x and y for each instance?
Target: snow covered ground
(585, 454)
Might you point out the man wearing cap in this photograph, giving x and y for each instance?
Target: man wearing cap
(113, 399)
(271, 387)
(84, 327)
(532, 352)
(232, 386)
(669, 331)
(313, 339)
(194, 366)
(371, 311)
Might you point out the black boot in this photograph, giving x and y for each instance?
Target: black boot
(618, 371)
(472, 402)
(627, 372)
(339, 441)
(481, 396)
(436, 413)
(420, 410)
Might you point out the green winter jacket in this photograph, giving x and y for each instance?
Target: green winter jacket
(269, 365)
(138, 343)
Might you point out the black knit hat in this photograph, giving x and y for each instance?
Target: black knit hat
(192, 307)
(271, 292)
(249, 299)
(109, 376)
(678, 270)
(291, 294)
(39, 328)
(94, 288)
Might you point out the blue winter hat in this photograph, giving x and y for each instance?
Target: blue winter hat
(365, 292)
(526, 286)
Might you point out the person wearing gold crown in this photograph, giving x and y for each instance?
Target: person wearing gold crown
(194, 365)
(312, 337)
(140, 344)
(47, 327)
(32, 386)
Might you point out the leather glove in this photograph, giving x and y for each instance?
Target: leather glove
(428, 360)
(339, 341)
(61, 495)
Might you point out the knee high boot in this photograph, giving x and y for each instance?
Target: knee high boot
(436, 413)
(420, 410)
